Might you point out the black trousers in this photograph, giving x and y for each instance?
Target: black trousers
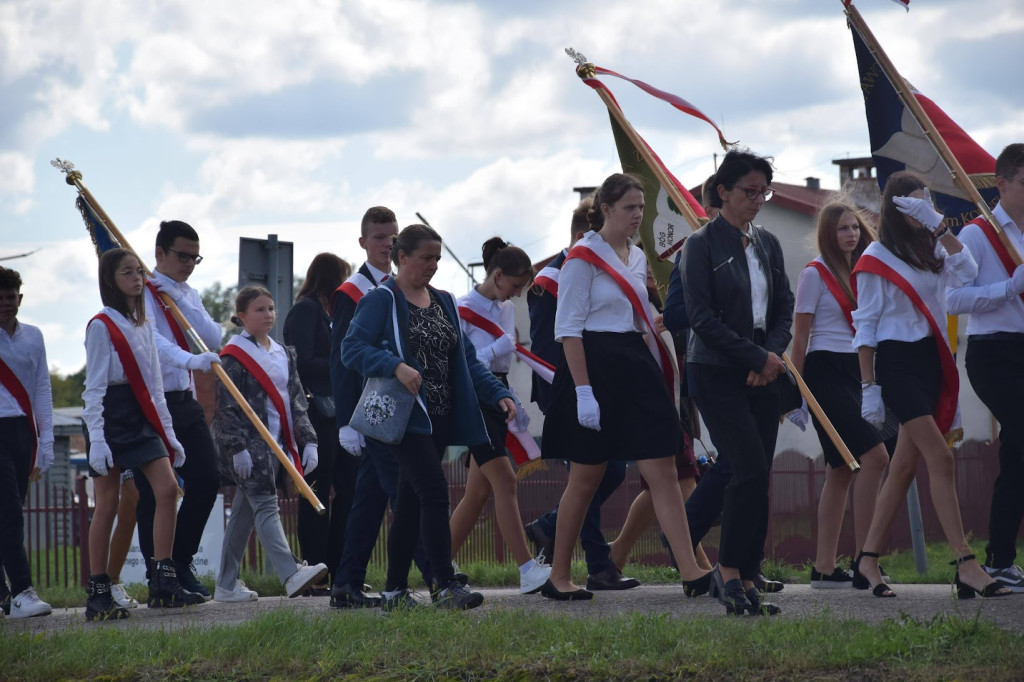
(201, 482)
(743, 423)
(995, 367)
(15, 460)
(321, 538)
(421, 509)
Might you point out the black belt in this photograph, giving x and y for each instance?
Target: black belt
(177, 396)
(997, 336)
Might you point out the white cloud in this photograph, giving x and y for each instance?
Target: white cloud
(17, 181)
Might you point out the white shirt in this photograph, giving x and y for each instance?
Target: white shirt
(829, 329)
(275, 364)
(25, 354)
(987, 298)
(103, 368)
(590, 300)
(758, 287)
(378, 275)
(884, 313)
(500, 313)
(172, 357)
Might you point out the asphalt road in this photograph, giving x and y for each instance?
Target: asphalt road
(920, 602)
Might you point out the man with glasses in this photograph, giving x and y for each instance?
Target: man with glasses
(995, 354)
(177, 255)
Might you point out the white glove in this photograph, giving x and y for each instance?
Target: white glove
(503, 346)
(521, 421)
(310, 458)
(243, 464)
(179, 452)
(1015, 285)
(588, 412)
(351, 440)
(100, 457)
(921, 210)
(872, 409)
(174, 292)
(799, 416)
(45, 458)
(203, 362)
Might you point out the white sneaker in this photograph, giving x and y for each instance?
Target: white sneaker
(28, 604)
(121, 596)
(300, 581)
(239, 594)
(534, 579)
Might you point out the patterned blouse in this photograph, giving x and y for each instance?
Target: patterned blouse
(433, 338)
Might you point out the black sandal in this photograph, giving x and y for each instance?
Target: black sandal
(881, 588)
(965, 591)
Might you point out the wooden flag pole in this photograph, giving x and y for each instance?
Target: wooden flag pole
(902, 87)
(826, 423)
(74, 178)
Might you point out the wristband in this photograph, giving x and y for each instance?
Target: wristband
(942, 233)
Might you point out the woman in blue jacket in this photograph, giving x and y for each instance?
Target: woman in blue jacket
(438, 365)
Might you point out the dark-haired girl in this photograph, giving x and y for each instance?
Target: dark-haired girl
(823, 352)
(308, 330)
(740, 309)
(489, 322)
(129, 427)
(265, 373)
(906, 365)
(612, 397)
(407, 329)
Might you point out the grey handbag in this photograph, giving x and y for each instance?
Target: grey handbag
(385, 405)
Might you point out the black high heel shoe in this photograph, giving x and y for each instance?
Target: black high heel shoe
(965, 591)
(730, 594)
(758, 607)
(880, 589)
(695, 588)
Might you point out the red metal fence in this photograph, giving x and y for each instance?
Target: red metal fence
(57, 519)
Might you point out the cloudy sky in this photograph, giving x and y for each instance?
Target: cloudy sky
(251, 118)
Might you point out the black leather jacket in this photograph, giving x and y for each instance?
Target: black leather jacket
(716, 289)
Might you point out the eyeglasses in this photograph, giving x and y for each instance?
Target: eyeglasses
(753, 193)
(186, 257)
(129, 273)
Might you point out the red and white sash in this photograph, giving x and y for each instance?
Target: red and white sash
(836, 289)
(246, 352)
(134, 373)
(14, 386)
(887, 267)
(997, 245)
(520, 443)
(176, 330)
(355, 287)
(547, 279)
(594, 250)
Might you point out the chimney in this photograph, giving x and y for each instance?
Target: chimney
(813, 183)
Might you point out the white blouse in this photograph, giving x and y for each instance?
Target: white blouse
(25, 354)
(829, 329)
(500, 313)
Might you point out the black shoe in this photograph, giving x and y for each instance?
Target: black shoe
(100, 605)
(552, 592)
(731, 595)
(879, 590)
(668, 549)
(766, 585)
(165, 591)
(611, 579)
(837, 579)
(458, 598)
(348, 597)
(188, 579)
(459, 575)
(702, 585)
(5, 598)
(859, 582)
(542, 542)
(403, 601)
(758, 607)
(965, 591)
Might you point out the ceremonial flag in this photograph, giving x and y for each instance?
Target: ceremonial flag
(898, 142)
(101, 237)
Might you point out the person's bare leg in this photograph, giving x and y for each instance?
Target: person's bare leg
(831, 509)
(671, 512)
(124, 531)
(686, 487)
(105, 489)
(467, 512)
(639, 518)
(583, 482)
(866, 485)
(503, 483)
(165, 491)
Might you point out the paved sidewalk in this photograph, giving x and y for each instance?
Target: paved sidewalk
(920, 602)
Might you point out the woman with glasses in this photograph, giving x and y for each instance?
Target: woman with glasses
(740, 309)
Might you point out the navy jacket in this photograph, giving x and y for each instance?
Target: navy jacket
(346, 385)
(308, 330)
(472, 383)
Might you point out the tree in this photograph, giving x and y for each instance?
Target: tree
(219, 301)
(67, 390)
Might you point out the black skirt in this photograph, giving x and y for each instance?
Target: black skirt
(910, 374)
(497, 429)
(638, 417)
(132, 439)
(834, 379)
